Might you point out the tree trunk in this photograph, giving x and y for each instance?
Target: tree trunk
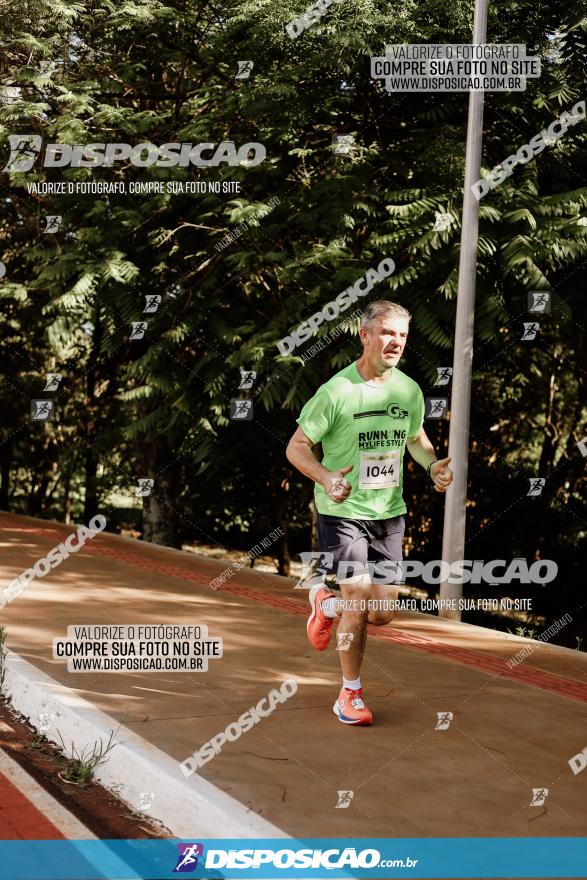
(551, 429)
(91, 493)
(37, 497)
(5, 461)
(160, 505)
(90, 454)
(283, 557)
(158, 525)
(67, 498)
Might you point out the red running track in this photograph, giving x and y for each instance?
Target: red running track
(523, 674)
(20, 819)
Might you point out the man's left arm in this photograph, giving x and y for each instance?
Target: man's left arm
(422, 451)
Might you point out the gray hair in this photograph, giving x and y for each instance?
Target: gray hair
(380, 308)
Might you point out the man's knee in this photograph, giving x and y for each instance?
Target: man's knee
(355, 596)
(355, 613)
(382, 605)
(380, 618)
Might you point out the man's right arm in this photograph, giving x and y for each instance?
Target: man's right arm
(300, 453)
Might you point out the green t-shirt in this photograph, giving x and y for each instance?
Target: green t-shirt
(366, 425)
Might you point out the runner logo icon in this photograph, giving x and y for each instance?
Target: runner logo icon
(539, 795)
(24, 149)
(187, 858)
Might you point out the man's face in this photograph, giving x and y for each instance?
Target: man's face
(384, 341)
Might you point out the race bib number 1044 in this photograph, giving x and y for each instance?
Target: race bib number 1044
(379, 470)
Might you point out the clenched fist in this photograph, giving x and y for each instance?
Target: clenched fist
(336, 486)
(441, 475)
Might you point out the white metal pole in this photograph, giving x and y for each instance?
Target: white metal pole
(453, 541)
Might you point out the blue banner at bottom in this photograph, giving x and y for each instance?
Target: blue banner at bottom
(529, 857)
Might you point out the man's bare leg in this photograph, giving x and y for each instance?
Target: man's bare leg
(362, 602)
(381, 606)
(353, 623)
(351, 637)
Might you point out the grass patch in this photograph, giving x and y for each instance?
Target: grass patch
(81, 765)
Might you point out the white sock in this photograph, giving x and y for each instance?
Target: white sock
(328, 606)
(354, 685)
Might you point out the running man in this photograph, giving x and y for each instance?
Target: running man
(364, 416)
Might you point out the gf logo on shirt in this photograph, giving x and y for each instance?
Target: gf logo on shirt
(393, 410)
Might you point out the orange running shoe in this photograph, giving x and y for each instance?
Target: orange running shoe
(319, 626)
(350, 708)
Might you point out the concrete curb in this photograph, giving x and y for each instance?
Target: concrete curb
(191, 808)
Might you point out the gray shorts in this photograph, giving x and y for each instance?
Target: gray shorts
(359, 541)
